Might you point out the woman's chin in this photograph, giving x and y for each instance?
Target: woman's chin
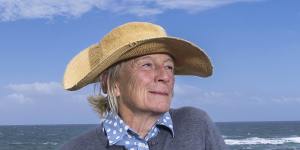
(160, 108)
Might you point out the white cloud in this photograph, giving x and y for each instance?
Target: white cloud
(19, 98)
(17, 9)
(44, 103)
(185, 89)
(196, 5)
(28, 93)
(194, 93)
(41, 91)
(36, 88)
(29, 9)
(191, 90)
(286, 99)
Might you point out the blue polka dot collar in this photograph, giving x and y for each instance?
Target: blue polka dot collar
(119, 133)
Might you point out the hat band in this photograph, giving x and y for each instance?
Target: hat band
(145, 49)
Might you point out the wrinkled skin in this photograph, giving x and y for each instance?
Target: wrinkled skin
(146, 84)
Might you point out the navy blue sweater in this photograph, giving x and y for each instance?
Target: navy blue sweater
(193, 130)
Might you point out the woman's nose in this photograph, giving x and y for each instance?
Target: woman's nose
(163, 74)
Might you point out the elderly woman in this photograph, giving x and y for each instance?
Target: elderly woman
(135, 64)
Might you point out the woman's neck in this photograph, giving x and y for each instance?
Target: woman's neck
(140, 122)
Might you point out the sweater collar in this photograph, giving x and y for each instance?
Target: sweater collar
(116, 128)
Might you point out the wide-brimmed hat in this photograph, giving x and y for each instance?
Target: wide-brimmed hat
(132, 40)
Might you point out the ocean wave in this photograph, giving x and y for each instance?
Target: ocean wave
(32, 143)
(50, 143)
(16, 143)
(257, 140)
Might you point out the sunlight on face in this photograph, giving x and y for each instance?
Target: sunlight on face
(146, 84)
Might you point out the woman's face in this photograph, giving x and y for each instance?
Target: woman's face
(146, 84)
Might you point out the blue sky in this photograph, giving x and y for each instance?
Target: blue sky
(254, 46)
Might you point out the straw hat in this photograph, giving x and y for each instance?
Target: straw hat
(132, 40)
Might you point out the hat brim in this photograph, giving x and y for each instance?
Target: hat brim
(189, 60)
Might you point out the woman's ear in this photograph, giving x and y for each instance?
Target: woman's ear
(103, 82)
(117, 89)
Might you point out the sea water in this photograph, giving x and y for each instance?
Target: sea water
(237, 135)
(261, 135)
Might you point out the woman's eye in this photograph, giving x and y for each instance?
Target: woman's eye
(170, 68)
(147, 65)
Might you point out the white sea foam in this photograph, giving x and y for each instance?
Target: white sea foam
(257, 140)
(17, 143)
(50, 143)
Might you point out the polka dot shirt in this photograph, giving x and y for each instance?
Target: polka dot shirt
(118, 133)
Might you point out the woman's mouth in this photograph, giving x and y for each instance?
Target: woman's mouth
(159, 93)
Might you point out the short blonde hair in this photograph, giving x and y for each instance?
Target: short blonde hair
(109, 103)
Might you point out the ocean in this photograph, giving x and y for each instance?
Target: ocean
(261, 135)
(237, 135)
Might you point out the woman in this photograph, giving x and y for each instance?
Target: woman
(135, 64)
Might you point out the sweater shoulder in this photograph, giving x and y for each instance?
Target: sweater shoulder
(189, 114)
(193, 123)
(190, 120)
(88, 141)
